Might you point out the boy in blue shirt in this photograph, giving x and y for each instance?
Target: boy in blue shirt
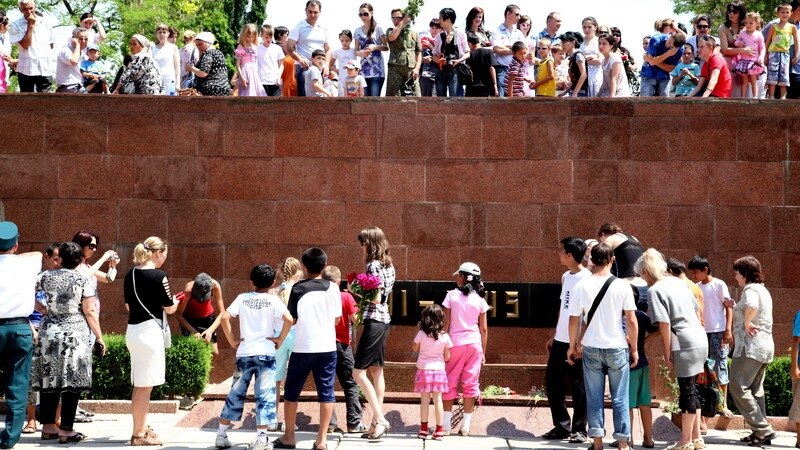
(794, 411)
(686, 74)
(93, 71)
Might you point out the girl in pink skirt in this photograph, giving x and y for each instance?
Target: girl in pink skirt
(433, 347)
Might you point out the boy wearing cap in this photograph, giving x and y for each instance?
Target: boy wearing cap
(17, 296)
(196, 314)
(93, 71)
(354, 84)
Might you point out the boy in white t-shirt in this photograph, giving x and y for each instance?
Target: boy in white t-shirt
(260, 315)
(559, 374)
(604, 347)
(270, 62)
(314, 82)
(717, 318)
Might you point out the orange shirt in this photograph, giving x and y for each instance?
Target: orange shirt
(289, 83)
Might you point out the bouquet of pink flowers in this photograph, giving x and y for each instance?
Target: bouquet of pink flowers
(365, 288)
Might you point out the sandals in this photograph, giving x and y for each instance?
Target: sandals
(423, 434)
(278, 443)
(77, 437)
(369, 433)
(379, 433)
(29, 429)
(49, 436)
(438, 436)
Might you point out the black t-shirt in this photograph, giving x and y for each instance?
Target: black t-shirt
(153, 289)
(480, 60)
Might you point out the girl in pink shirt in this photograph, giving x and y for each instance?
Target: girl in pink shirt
(465, 318)
(433, 347)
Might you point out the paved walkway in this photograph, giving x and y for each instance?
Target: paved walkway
(113, 430)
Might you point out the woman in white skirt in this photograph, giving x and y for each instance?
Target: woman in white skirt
(147, 294)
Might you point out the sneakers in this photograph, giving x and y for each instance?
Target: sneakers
(82, 416)
(273, 427)
(222, 441)
(579, 438)
(283, 427)
(360, 428)
(463, 432)
(258, 445)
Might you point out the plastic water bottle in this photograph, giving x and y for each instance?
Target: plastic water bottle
(172, 87)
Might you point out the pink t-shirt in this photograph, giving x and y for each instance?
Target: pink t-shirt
(431, 352)
(465, 314)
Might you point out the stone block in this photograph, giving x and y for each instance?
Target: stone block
(210, 135)
(310, 223)
(171, 177)
(22, 131)
(189, 260)
(790, 272)
(239, 260)
(477, 223)
(298, 135)
(512, 225)
(648, 223)
(350, 258)
(593, 137)
(598, 107)
(762, 139)
(792, 183)
(72, 216)
(419, 262)
(319, 179)
(139, 134)
(504, 136)
(666, 183)
(95, 176)
(28, 176)
(383, 215)
(247, 222)
(742, 229)
(32, 217)
(413, 137)
(389, 180)
(249, 135)
(582, 220)
(531, 262)
(244, 178)
(71, 134)
(194, 222)
(784, 225)
(594, 182)
(350, 138)
(373, 106)
(691, 227)
(436, 224)
(546, 139)
(746, 183)
(186, 134)
(138, 219)
(464, 136)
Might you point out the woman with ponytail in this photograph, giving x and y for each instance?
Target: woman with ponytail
(147, 294)
(370, 45)
(465, 321)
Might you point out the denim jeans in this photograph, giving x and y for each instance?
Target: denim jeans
(615, 362)
(654, 88)
(500, 71)
(447, 83)
(263, 368)
(300, 76)
(374, 87)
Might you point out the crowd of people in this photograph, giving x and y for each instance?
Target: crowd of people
(613, 294)
(751, 57)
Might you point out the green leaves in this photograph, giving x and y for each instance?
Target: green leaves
(413, 8)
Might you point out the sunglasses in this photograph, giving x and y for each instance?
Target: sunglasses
(543, 48)
(363, 14)
(397, 18)
(703, 27)
(92, 246)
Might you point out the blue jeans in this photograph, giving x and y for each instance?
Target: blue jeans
(374, 86)
(447, 83)
(501, 79)
(652, 87)
(300, 77)
(263, 367)
(615, 362)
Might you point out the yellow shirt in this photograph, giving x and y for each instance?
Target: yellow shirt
(547, 89)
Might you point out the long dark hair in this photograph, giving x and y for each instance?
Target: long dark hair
(739, 6)
(372, 24)
(473, 13)
(84, 238)
(472, 283)
(432, 321)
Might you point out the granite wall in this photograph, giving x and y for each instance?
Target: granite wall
(231, 182)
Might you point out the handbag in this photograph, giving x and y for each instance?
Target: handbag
(708, 391)
(165, 331)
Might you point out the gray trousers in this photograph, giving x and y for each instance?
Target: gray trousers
(747, 389)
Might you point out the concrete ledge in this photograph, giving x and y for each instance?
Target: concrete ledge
(124, 406)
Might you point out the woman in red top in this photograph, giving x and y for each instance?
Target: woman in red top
(197, 313)
(715, 76)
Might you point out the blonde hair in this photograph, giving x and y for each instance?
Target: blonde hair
(248, 28)
(377, 245)
(189, 33)
(288, 268)
(332, 273)
(652, 263)
(145, 250)
(755, 17)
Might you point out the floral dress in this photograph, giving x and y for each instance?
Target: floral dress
(144, 74)
(63, 355)
(212, 62)
(371, 65)
(594, 74)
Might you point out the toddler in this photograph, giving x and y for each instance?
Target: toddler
(93, 72)
(354, 84)
(341, 57)
(685, 75)
(748, 67)
(433, 346)
(562, 69)
(778, 43)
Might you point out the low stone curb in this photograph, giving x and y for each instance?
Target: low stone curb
(120, 406)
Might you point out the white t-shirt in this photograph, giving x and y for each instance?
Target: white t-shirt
(605, 331)
(18, 285)
(260, 315)
(313, 74)
(715, 293)
(343, 57)
(308, 38)
(315, 303)
(164, 57)
(66, 73)
(351, 85)
(568, 282)
(269, 60)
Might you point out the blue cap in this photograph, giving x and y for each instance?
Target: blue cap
(9, 233)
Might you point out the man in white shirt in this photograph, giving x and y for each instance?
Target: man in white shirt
(17, 298)
(304, 38)
(604, 347)
(68, 71)
(35, 40)
(503, 39)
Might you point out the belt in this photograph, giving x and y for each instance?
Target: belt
(14, 321)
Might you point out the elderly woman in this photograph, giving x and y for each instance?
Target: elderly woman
(405, 55)
(753, 349)
(147, 297)
(63, 354)
(211, 73)
(672, 305)
(143, 71)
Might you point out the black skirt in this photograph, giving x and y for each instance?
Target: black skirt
(372, 344)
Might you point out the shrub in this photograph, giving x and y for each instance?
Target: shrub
(188, 367)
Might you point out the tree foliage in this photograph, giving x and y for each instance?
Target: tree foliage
(716, 8)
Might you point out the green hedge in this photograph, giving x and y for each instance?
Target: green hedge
(777, 388)
(188, 367)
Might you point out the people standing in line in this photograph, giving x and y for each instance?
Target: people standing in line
(316, 307)
(90, 22)
(503, 38)
(686, 74)
(715, 77)
(89, 243)
(545, 84)
(261, 315)
(748, 68)
(288, 81)
(6, 61)
(429, 70)
(270, 62)
(559, 374)
(449, 46)
(465, 321)
(662, 54)
(148, 300)
(168, 58)
(341, 57)
(370, 40)
(615, 80)
(17, 293)
(627, 250)
(371, 349)
(201, 306)
(35, 40)
(405, 56)
(782, 38)
(432, 346)
(671, 305)
(304, 38)
(603, 345)
(753, 350)
(481, 61)
(735, 13)
(68, 59)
